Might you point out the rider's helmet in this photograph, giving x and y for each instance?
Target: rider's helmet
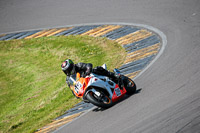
(68, 67)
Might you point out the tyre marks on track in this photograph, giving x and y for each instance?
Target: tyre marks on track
(142, 46)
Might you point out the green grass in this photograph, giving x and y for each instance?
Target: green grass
(32, 85)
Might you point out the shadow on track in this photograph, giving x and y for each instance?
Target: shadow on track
(97, 109)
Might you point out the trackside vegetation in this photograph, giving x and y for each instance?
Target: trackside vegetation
(33, 91)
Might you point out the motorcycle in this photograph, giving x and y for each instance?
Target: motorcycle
(101, 90)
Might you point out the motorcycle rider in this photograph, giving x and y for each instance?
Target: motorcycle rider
(69, 68)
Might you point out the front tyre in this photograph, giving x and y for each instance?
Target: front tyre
(130, 85)
(103, 101)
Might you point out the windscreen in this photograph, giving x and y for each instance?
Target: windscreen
(72, 80)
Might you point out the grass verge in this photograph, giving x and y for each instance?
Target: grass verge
(33, 90)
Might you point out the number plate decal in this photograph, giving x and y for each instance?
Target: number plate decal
(118, 92)
(77, 87)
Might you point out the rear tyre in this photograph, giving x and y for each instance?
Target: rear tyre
(104, 102)
(130, 86)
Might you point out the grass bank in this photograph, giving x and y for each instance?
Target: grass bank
(33, 90)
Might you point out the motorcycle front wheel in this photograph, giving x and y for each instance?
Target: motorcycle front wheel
(130, 85)
(103, 101)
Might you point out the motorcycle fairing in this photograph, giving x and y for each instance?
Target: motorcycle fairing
(80, 86)
(99, 82)
(84, 85)
(118, 93)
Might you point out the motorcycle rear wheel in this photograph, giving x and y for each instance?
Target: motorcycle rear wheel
(100, 103)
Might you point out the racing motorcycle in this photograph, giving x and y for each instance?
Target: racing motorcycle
(101, 90)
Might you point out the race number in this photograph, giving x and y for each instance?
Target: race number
(118, 92)
(77, 87)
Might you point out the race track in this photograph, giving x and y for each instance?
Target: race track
(169, 100)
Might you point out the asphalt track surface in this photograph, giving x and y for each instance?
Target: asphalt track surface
(169, 100)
